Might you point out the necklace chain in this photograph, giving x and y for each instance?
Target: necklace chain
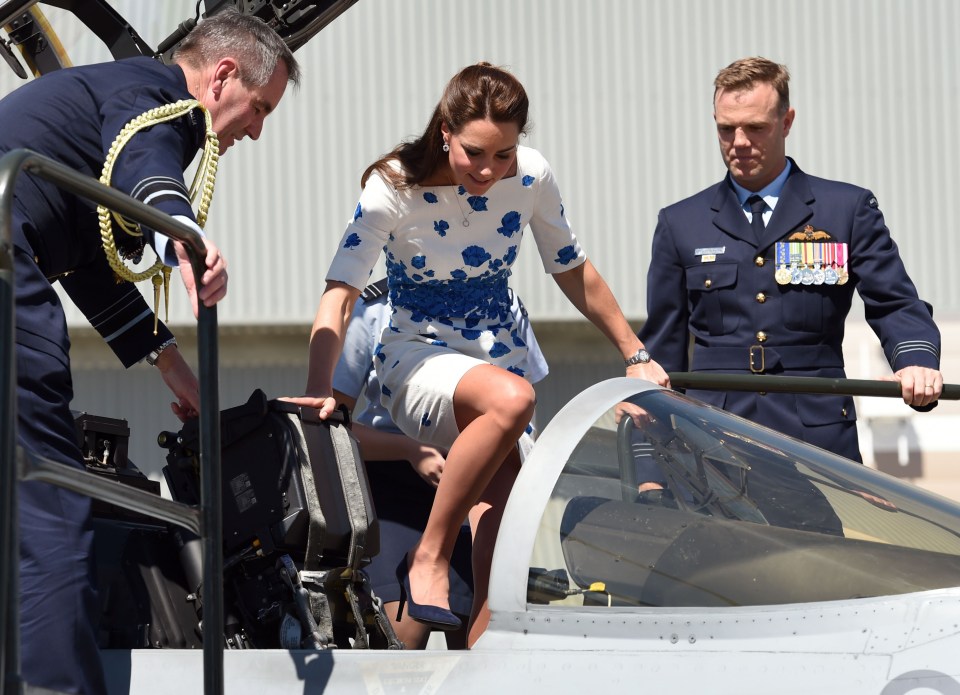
(464, 215)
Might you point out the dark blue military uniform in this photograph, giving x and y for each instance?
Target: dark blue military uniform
(712, 279)
(73, 116)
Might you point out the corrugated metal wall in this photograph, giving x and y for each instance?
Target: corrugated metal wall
(621, 106)
(621, 97)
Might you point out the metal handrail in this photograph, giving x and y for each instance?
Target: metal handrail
(771, 383)
(12, 9)
(210, 520)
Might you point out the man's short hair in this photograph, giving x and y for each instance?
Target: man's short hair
(257, 48)
(745, 73)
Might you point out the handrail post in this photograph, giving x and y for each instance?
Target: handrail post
(9, 537)
(210, 503)
(12, 165)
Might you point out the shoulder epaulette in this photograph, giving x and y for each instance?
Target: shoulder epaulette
(374, 291)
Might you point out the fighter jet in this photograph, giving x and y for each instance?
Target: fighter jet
(765, 565)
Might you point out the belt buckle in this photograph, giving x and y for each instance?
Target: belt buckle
(754, 350)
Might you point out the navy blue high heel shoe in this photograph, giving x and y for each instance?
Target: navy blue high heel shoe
(433, 616)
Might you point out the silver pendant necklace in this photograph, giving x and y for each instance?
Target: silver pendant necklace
(464, 215)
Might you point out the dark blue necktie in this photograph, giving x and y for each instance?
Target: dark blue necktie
(757, 206)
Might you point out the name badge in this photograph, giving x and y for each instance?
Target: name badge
(709, 254)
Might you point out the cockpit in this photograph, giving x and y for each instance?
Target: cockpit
(660, 501)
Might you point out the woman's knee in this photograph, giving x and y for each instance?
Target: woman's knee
(516, 396)
(491, 390)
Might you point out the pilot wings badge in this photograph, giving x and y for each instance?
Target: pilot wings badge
(808, 233)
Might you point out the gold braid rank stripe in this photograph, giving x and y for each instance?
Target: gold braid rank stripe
(202, 187)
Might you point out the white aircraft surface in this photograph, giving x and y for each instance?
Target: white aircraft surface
(775, 568)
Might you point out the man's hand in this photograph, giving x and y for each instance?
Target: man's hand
(641, 418)
(919, 386)
(213, 283)
(426, 461)
(181, 380)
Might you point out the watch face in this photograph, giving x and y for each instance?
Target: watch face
(642, 357)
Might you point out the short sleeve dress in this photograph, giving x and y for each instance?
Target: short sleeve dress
(449, 256)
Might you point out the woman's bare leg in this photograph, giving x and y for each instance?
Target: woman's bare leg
(492, 407)
(485, 523)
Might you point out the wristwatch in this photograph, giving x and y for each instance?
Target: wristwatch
(641, 357)
(155, 354)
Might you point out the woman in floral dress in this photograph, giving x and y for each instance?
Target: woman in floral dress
(449, 210)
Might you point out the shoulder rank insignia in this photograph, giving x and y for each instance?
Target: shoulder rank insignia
(374, 291)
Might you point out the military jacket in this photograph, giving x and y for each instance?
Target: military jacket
(712, 283)
(73, 116)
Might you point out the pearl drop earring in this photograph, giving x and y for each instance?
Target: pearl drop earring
(446, 147)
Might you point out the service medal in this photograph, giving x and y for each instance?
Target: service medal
(842, 275)
(830, 276)
(782, 274)
(806, 277)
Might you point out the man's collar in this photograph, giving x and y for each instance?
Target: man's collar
(771, 190)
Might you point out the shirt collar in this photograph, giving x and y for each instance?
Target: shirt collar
(770, 193)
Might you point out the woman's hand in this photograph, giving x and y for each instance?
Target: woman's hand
(324, 405)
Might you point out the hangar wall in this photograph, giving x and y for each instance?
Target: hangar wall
(621, 106)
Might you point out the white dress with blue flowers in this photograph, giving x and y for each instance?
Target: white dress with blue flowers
(448, 282)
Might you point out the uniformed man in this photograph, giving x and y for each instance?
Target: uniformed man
(140, 123)
(761, 268)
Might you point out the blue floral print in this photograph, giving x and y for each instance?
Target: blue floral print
(477, 203)
(566, 254)
(441, 227)
(430, 197)
(511, 224)
(498, 350)
(475, 302)
(358, 213)
(528, 181)
(352, 241)
(475, 256)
